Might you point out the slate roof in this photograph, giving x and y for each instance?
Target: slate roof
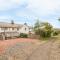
(9, 25)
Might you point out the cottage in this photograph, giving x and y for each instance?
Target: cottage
(11, 30)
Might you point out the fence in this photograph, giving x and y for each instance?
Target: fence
(6, 35)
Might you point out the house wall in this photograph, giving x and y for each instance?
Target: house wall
(8, 30)
(15, 32)
(24, 29)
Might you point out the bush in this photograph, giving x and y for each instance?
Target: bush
(55, 33)
(45, 33)
(23, 35)
(43, 29)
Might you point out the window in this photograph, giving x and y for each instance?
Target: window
(17, 29)
(12, 28)
(4, 28)
(25, 29)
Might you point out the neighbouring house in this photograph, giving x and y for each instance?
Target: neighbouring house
(11, 30)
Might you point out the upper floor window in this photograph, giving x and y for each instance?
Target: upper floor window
(17, 29)
(4, 28)
(12, 28)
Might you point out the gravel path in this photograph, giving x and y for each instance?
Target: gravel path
(31, 51)
(48, 51)
(20, 51)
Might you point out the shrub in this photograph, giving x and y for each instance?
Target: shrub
(43, 29)
(45, 33)
(55, 33)
(23, 35)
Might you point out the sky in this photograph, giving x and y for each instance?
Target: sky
(29, 11)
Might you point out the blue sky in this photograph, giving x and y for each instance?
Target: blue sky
(29, 10)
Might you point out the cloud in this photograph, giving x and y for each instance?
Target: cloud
(41, 9)
(31, 9)
(25, 15)
(4, 17)
(9, 4)
(44, 7)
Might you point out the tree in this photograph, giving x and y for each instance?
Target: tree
(36, 27)
(44, 29)
(47, 29)
(37, 24)
(58, 19)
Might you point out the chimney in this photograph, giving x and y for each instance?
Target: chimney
(12, 22)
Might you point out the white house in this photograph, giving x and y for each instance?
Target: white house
(9, 29)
